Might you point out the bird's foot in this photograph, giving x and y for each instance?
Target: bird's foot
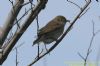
(46, 48)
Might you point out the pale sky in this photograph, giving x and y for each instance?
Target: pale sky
(65, 53)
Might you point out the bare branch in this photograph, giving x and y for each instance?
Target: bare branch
(79, 7)
(26, 12)
(91, 42)
(11, 1)
(25, 3)
(81, 56)
(13, 14)
(75, 4)
(84, 12)
(37, 24)
(65, 33)
(11, 18)
(30, 2)
(38, 54)
(40, 5)
(37, 34)
(16, 48)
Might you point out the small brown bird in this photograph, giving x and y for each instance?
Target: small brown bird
(52, 31)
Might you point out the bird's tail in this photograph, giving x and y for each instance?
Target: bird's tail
(39, 39)
(36, 41)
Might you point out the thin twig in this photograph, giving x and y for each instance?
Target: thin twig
(13, 13)
(30, 2)
(81, 55)
(37, 33)
(84, 12)
(16, 48)
(65, 33)
(11, 1)
(91, 42)
(75, 4)
(39, 54)
(25, 3)
(26, 12)
(16, 57)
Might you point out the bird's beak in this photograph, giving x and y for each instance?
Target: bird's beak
(68, 21)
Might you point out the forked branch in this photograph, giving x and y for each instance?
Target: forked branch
(35, 11)
(90, 45)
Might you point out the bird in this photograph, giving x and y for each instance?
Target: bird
(51, 31)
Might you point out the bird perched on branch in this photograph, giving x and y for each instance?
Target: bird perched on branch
(51, 31)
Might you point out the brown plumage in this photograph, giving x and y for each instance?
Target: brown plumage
(52, 31)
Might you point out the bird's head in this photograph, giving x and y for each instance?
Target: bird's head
(62, 19)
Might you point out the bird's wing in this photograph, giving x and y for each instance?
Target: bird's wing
(51, 26)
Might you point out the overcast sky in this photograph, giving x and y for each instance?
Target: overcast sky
(77, 40)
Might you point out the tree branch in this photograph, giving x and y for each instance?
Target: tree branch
(11, 18)
(89, 48)
(40, 5)
(65, 33)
